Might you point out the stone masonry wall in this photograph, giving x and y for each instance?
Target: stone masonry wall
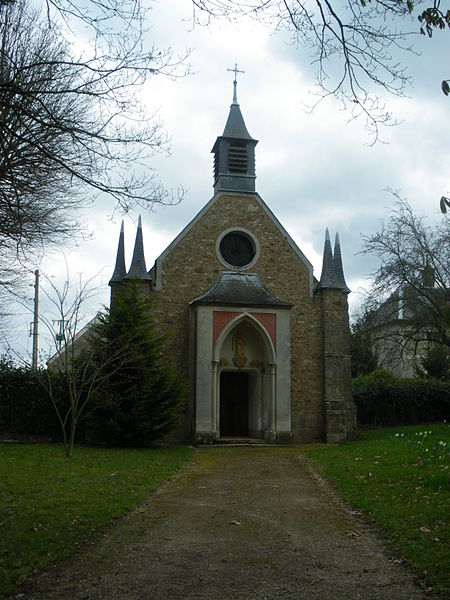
(192, 266)
(340, 415)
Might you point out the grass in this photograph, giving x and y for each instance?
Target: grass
(400, 478)
(50, 505)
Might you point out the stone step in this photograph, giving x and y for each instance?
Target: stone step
(241, 441)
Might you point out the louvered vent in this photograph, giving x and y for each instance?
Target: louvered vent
(216, 166)
(237, 158)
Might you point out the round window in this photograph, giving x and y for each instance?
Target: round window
(237, 249)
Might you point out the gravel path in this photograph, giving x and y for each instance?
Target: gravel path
(237, 523)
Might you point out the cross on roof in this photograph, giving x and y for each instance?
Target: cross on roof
(235, 71)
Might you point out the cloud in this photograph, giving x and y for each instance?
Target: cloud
(313, 170)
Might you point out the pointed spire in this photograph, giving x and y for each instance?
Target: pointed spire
(328, 277)
(338, 267)
(138, 270)
(235, 126)
(120, 269)
(332, 273)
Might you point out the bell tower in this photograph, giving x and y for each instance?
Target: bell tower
(234, 152)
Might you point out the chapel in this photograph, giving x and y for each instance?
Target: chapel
(264, 346)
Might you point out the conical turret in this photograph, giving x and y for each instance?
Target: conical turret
(328, 278)
(120, 269)
(332, 276)
(338, 267)
(138, 270)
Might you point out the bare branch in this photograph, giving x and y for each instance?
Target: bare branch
(72, 126)
(354, 44)
(405, 308)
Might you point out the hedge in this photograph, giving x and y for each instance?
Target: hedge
(384, 400)
(25, 408)
(380, 398)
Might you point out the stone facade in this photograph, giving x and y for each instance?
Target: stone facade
(241, 308)
(340, 414)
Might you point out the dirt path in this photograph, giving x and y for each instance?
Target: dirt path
(238, 523)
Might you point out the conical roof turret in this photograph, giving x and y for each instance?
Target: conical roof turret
(138, 270)
(338, 267)
(328, 277)
(120, 269)
(332, 276)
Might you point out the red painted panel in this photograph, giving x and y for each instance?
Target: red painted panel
(221, 318)
(269, 321)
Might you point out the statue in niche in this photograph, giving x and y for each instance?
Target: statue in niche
(239, 359)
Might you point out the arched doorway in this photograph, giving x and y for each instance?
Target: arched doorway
(241, 380)
(234, 404)
(244, 392)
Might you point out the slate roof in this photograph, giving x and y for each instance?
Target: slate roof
(138, 270)
(332, 276)
(238, 288)
(120, 269)
(338, 267)
(235, 126)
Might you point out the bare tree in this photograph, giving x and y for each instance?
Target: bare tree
(354, 44)
(74, 374)
(36, 198)
(409, 301)
(68, 382)
(72, 121)
(72, 126)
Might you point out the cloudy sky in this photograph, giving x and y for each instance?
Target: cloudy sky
(313, 170)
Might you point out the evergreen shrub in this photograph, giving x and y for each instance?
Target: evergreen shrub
(140, 398)
(25, 409)
(384, 400)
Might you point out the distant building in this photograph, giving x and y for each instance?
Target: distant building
(390, 339)
(403, 329)
(264, 345)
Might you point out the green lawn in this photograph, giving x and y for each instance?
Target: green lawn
(400, 478)
(49, 504)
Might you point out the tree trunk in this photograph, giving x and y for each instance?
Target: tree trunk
(71, 439)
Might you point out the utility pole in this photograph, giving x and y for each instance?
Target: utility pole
(34, 363)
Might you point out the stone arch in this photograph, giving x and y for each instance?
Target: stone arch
(256, 403)
(259, 327)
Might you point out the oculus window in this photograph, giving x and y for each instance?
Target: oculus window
(237, 248)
